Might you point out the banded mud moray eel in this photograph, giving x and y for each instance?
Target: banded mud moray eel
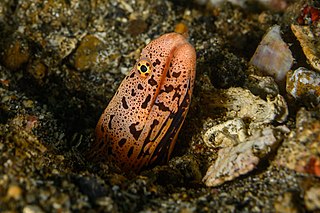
(139, 127)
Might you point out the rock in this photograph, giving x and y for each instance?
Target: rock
(241, 103)
(304, 86)
(240, 159)
(14, 192)
(16, 54)
(37, 69)
(286, 203)
(226, 134)
(262, 86)
(60, 46)
(32, 209)
(301, 150)
(89, 53)
(309, 43)
(312, 198)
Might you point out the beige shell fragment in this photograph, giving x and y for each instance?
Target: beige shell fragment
(309, 44)
(273, 55)
(226, 134)
(241, 103)
(62, 44)
(240, 159)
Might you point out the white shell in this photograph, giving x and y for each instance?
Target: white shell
(273, 56)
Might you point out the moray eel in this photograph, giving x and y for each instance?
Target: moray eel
(139, 127)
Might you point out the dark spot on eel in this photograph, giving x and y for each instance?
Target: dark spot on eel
(133, 130)
(176, 74)
(122, 142)
(124, 103)
(152, 82)
(157, 62)
(140, 87)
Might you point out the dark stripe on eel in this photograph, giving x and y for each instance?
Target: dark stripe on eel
(145, 103)
(167, 89)
(162, 106)
(144, 152)
(160, 153)
(130, 152)
(133, 93)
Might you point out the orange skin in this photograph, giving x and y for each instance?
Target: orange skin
(139, 127)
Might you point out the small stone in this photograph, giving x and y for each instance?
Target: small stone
(226, 134)
(107, 203)
(87, 54)
(181, 28)
(28, 103)
(37, 69)
(286, 204)
(312, 198)
(241, 103)
(262, 86)
(304, 85)
(61, 46)
(136, 27)
(14, 192)
(32, 209)
(16, 55)
(300, 150)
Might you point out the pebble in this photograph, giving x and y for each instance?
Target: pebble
(37, 69)
(28, 103)
(16, 54)
(304, 85)
(312, 198)
(285, 203)
(262, 86)
(226, 134)
(32, 209)
(88, 54)
(136, 27)
(300, 151)
(181, 28)
(60, 45)
(14, 192)
(241, 103)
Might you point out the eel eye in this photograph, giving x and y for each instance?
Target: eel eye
(144, 68)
